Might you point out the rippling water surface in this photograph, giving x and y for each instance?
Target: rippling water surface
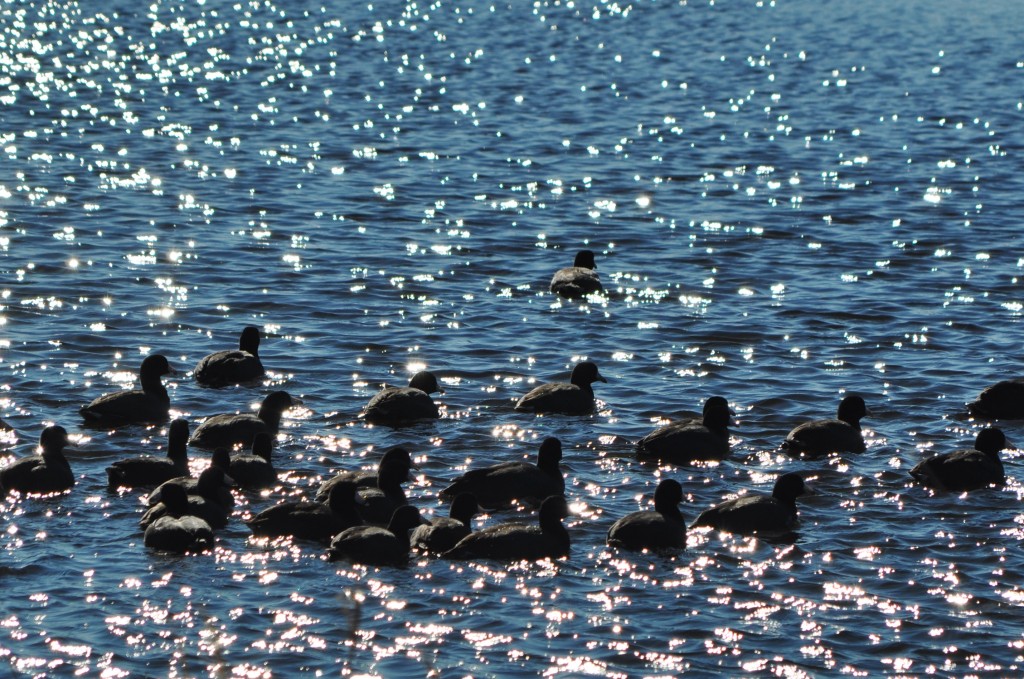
(789, 200)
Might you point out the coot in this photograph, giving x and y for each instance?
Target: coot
(578, 280)
(149, 404)
(687, 441)
(575, 397)
(499, 485)
(234, 366)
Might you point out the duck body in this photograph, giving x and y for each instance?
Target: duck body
(150, 404)
(575, 397)
(1002, 401)
(315, 521)
(196, 505)
(396, 458)
(397, 405)
(376, 546)
(230, 430)
(500, 485)
(47, 472)
(444, 532)
(149, 470)
(177, 530)
(179, 534)
(520, 541)
(205, 505)
(755, 514)
(235, 366)
(255, 470)
(840, 435)
(660, 530)
(578, 280)
(688, 441)
(968, 469)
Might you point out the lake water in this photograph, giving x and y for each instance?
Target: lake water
(789, 201)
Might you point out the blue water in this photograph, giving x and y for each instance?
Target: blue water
(790, 201)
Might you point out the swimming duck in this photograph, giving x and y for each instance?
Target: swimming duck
(233, 366)
(444, 532)
(229, 430)
(841, 435)
(661, 529)
(319, 521)
(149, 404)
(578, 280)
(377, 505)
(396, 405)
(255, 470)
(177, 530)
(46, 472)
(687, 441)
(575, 397)
(967, 469)
(548, 539)
(499, 485)
(376, 546)
(150, 470)
(396, 457)
(1002, 401)
(768, 516)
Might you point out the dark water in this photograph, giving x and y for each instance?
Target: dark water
(790, 201)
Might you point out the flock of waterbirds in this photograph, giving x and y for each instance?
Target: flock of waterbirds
(364, 516)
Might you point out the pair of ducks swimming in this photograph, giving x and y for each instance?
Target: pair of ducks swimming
(707, 438)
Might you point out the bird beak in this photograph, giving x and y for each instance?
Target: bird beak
(601, 377)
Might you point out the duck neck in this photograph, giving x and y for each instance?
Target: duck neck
(250, 345)
(391, 486)
(177, 451)
(550, 467)
(670, 510)
(463, 516)
(788, 502)
(585, 386)
(270, 416)
(716, 427)
(154, 386)
(400, 531)
(55, 455)
(553, 527)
